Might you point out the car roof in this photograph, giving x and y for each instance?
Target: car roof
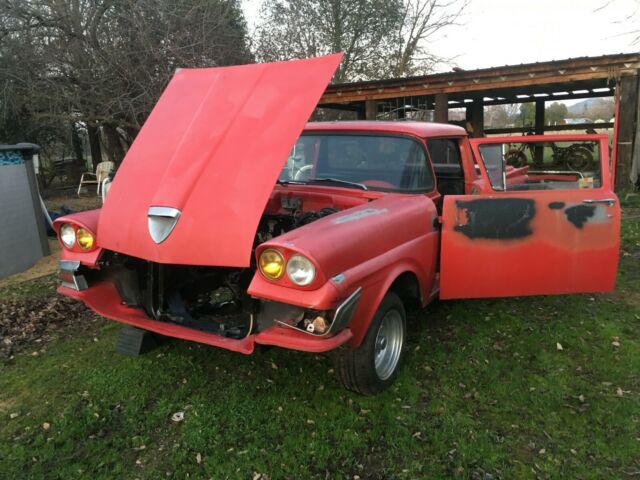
(420, 129)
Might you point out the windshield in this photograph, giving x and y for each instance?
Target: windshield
(377, 162)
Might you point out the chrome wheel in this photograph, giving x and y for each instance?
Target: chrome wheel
(388, 346)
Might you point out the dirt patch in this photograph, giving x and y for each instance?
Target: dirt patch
(33, 322)
(73, 202)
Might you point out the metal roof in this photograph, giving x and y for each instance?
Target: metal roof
(421, 129)
(584, 72)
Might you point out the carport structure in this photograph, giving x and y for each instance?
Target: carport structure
(576, 78)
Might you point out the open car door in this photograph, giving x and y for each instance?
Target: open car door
(549, 224)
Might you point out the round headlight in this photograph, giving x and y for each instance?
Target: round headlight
(68, 235)
(271, 264)
(300, 270)
(84, 238)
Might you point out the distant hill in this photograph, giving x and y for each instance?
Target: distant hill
(593, 108)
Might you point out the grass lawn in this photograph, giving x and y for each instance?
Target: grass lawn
(544, 387)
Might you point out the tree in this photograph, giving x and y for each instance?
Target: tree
(420, 21)
(499, 116)
(555, 114)
(379, 38)
(527, 115)
(309, 28)
(100, 65)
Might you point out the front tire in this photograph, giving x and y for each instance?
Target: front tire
(374, 365)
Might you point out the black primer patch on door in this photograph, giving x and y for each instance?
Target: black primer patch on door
(580, 214)
(556, 205)
(497, 218)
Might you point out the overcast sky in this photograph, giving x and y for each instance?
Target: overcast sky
(507, 32)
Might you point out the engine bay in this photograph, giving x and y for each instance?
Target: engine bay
(214, 299)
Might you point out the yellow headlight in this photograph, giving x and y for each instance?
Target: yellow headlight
(84, 238)
(272, 264)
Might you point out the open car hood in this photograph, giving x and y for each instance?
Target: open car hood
(206, 160)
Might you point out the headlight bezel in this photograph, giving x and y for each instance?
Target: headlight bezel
(285, 279)
(70, 231)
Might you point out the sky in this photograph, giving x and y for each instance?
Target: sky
(509, 32)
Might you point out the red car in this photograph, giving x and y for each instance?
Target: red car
(232, 223)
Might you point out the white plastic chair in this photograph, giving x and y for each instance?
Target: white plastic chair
(102, 171)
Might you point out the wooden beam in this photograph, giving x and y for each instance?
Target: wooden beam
(350, 107)
(579, 127)
(599, 69)
(626, 130)
(622, 62)
(441, 114)
(380, 93)
(551, 98)
(370, 110)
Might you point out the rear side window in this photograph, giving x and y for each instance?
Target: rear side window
(444, 151)
(445, 156)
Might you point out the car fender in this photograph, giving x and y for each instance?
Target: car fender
(365, 247)
(379, 281)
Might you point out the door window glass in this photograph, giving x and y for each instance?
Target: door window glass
(543, 165)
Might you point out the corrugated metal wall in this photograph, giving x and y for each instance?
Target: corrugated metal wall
(22, 235)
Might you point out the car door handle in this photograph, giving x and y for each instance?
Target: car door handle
(606, 201)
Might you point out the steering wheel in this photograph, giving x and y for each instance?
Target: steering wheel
(303, 173)
(378, 183)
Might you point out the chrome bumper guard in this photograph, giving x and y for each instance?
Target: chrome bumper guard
(69, 275)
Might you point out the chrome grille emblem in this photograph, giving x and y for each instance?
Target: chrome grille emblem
(162, 221)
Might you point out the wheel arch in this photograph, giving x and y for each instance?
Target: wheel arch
(404, 281)
(407, 287)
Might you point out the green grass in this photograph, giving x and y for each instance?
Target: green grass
(484, 391)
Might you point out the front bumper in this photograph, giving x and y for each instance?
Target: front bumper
(104, 299)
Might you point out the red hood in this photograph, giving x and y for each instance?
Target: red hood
(212, 149)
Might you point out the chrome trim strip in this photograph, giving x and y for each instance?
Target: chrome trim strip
(555, 172)
(164, 212)
(606, 201)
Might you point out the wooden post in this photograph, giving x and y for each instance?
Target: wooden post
(539, 127)
(442, 108)
(539, 130)
(475, 118)
(626, 124)
(370, 109)
(362, 111)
